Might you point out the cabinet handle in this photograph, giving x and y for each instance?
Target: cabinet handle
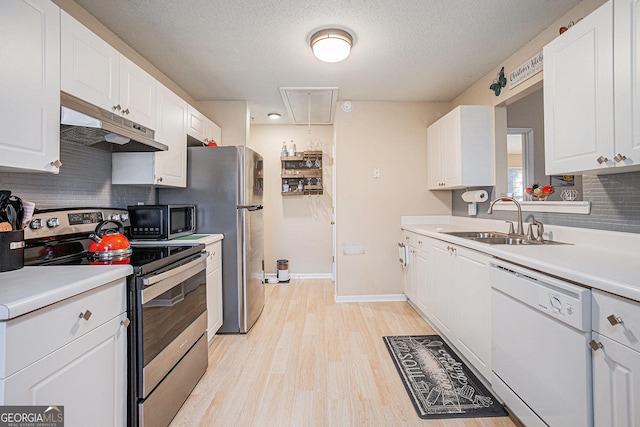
(595, 346)
(116, 108)
(126, 322)
(160, 179)
(125, 112)
(620, 158)
(86, 315)
(614, 320)
(602, 159)
(56, 164)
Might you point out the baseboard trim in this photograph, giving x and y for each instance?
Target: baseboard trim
(371, 298)
(303, 275)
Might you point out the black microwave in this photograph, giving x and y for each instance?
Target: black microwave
(161, 222)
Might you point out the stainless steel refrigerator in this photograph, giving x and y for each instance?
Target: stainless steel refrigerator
(226, 185)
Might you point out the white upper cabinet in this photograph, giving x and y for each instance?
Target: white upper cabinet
(578, 96)
(95, 72)
(138, 93)
(171, 165)
(30, 86)
(201, 128)
(162, 168)
(459, 147)
(626, 56)
(591, 94)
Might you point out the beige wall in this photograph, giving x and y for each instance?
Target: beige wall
(297, 228)
(391, 136)
(232, 117)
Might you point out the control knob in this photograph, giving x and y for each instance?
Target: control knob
(53, 222)
(115, 217)
(555, 302)
(35, 224)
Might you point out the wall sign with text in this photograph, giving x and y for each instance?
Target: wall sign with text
(525, 71)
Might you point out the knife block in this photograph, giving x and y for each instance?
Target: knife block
(11, 250)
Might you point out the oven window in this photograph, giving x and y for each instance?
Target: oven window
(167, 315)
(180, 219)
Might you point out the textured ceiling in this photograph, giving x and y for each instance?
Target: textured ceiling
(405, 50)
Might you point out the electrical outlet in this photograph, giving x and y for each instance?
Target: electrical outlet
(472, 209)
(376, 172)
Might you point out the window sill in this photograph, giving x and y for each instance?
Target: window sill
(581, 208)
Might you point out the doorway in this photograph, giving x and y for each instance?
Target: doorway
(519, 161)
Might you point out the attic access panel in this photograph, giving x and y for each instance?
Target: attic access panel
(320, 100)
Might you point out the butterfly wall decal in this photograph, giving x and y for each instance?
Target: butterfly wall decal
(499, 83)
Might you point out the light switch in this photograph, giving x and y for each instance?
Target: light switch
(376, 172)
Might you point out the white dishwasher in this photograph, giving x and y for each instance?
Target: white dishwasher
(541, 328)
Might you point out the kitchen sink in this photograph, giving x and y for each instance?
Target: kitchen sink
(497, 238)
(477, 234)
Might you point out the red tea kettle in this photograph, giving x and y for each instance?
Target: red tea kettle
(110, 246)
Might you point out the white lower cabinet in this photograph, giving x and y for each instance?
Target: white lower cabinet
(214, 289)
(416, 271)
(80, 362)
(616, 361)
(459, 300)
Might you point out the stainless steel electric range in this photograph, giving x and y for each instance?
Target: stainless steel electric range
(167, 306)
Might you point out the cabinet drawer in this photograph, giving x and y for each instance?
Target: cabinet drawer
(607, 306)
(413, 239)
(30, 337)
(215, 252)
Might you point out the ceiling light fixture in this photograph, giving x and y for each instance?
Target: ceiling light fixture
(274, 116)
(331, 45)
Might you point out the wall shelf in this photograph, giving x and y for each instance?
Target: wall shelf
(304, 168)
(547, 206)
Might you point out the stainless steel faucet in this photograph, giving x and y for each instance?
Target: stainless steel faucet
(520, 229)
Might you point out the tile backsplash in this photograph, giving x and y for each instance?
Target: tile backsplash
(84, 181)
(615, 205)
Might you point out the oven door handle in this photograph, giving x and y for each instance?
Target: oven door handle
(167, 280)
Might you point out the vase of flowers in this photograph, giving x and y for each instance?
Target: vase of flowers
(539, 192)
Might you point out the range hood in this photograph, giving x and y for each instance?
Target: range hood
(85, 124)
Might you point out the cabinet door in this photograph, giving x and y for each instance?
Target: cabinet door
(171, 165)
(441, 274)
(30, 85)
(578, 96)
(420, 276)
(214, 299)
(616, 384)
(88, 377)
(90, 67)
(138, 94)
(212, 132)
(195, 124)
(450, 155)
(473, 308)
(626, 46)
(409, 279)
(434, 147)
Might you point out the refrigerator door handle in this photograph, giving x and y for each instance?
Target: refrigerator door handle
(250, 207)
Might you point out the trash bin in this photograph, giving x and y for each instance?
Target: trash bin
(283, 270)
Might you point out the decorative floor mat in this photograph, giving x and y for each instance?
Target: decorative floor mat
(438, 382)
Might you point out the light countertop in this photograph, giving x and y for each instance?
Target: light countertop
(609, 261)
(31, 288)
(194, 239)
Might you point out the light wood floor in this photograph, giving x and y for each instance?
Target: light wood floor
(309, 361)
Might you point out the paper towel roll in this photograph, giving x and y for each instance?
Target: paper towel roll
(475, 196)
